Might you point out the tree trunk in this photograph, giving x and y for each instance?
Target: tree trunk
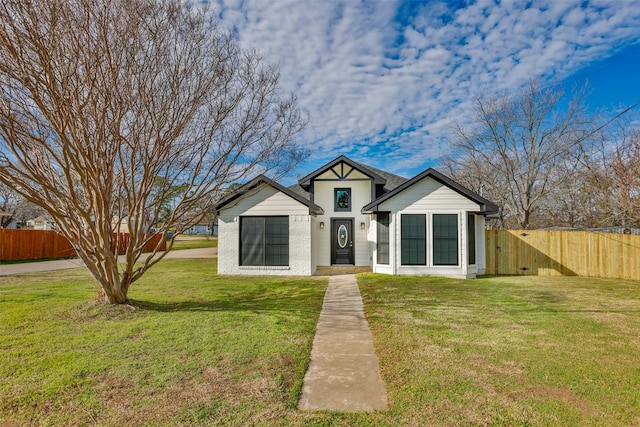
(114, 296)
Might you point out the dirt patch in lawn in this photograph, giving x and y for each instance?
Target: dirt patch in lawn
(562, 394)
(128, 404)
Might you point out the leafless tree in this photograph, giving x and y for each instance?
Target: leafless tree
(9, 201)
(18, 207)
(102, 100)
(612, 168)
(514, 145)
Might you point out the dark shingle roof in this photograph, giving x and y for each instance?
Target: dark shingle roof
(393, 181)
(393, 184)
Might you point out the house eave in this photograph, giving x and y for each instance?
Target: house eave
(305, 181)
(257, 181)
(486, 207)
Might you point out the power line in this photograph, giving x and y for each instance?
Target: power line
(613, 119)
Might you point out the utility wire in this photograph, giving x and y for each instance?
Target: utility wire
(613, 119)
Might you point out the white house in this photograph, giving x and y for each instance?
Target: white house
(201, 229)
(43, 222)
(346, 213)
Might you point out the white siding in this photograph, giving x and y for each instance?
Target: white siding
(429, 197)
(428, 194)
(360, 196)
(265, 201)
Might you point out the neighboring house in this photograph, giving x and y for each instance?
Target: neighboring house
(43, 222)
(346, 213)
(199, 229)
(14, 225)
(120, 225)
(4, 214)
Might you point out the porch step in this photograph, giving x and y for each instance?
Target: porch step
(339, 270)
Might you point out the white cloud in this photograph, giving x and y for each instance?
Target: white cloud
(384, 86)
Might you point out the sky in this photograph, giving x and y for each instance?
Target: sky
(381, 81)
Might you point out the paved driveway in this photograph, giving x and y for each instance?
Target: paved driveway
(65, 264)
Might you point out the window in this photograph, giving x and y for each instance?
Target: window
(413, 238)
(342, 199)
(264, 240)
(471, 238)
(382, 221)
(445, 239)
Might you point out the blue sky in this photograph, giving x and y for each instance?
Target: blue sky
(381, 81)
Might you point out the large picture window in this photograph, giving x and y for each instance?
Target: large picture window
(342, 198)
(413, 239)
(445, 239)
(264, 240)
(382, 237)
(471, 238)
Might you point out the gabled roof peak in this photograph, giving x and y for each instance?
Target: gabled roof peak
(486, 207)
(306, 180)
(261, 179)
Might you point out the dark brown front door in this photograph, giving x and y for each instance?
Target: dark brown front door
(342, 241)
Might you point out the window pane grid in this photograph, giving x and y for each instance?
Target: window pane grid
(342, 199)
(264, 241)
(382, 220)
(277, 241)
(445, 239)
(413, 239)
(252, 241)
(471, 237)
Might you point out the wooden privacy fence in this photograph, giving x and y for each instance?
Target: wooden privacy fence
(567, 253)
(17, 245)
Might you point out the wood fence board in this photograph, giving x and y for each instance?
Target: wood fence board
(18, 245)
(552, 253)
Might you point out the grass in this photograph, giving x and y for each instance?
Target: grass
(198, 348)
(206, 350)
(507, 350)
(195, 243)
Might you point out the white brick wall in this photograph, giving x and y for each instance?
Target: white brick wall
(266, 202)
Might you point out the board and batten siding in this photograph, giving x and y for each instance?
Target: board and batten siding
(429, 197)
(265, 201)
(360, 186)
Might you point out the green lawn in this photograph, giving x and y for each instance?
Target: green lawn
(195, 243)
(507, 351)
(207, 350)
(198, 349)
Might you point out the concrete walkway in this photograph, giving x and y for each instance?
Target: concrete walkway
(65, 264)
(343, 374)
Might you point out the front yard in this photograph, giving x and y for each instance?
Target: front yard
(508, 350)
(205, 350)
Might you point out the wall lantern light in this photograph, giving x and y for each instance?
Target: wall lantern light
(362, 225)
(322, 226)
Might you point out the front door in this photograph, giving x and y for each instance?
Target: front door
(342, 241)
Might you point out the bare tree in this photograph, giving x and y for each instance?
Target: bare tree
(625, 178)
(102, 100)
(9, 201)
(612, 167)
(514, 145)
(18, 207)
